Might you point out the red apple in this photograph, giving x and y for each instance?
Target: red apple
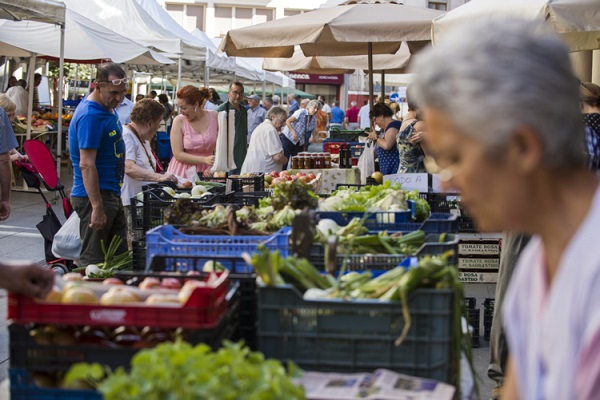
(304, 179)
(275, 174)
(293, 177)
(312, 176)
(284, 174)
(149, 283)
(278, 181)
(300, 174)
(170, 283)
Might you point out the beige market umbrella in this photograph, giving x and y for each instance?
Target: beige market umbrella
(577, 21)
(363, 28)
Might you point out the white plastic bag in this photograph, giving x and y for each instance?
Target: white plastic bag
(366, 162)
(67, 241)
(223, 155)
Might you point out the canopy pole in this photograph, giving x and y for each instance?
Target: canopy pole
(206, 75)
(30, 73)
(178, 74)
(76, 88)
(383, 86)
(91, 79)
(61, 65)
(370, 55)
(5, 77)
(264, 89)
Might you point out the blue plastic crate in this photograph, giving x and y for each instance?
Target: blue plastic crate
(396, 221)
(22, 387)
(166, 240)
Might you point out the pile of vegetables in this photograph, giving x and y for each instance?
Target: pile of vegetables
(393, 285)
(295, 194)
(112, 261)
(181, 371)
(249, 220)
(388, 196)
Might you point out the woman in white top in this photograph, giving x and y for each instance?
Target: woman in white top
(503, 119)
(141, 165)
(265, 152)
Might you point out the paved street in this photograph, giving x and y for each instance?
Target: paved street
(19, 239)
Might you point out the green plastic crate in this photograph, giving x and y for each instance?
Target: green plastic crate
(357, 336)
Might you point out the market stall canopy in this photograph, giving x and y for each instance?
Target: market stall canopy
(214, 60)
(336, 31)
(85, 40)
(48, 11)
(390, 63)
(577, 21)
(130, 20)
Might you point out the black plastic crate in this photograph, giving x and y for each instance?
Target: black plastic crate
(249, 198)
(470, 303)
(138, 250)
(23, 387)
(253, 183)
(30, 354)
(355, 336)
(489, 303)
(450, 203)
(384, 262)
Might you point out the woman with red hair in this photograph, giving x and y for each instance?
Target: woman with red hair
(194, 132)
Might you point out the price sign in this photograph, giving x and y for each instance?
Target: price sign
(410, 181)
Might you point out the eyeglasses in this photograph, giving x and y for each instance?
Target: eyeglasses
(445, 174)
(237, 93)
(116, 81)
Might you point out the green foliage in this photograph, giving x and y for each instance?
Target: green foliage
(179, 371)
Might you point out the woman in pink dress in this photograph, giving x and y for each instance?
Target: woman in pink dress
(194, 132)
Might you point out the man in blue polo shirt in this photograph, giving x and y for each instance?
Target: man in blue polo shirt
(98, 156)
(337, 115)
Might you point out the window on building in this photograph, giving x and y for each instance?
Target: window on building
(438, 5)
(223, 19)
(243, 17)
(263, 15)
(190, 16)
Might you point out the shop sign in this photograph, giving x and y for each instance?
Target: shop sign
(318, 78)
(482, 248)
(410, 181)
(478, 277)
(479, 263)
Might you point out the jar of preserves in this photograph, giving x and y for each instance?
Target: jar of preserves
(307, 162)
(318, 161)
(296, 162)
(327, 160)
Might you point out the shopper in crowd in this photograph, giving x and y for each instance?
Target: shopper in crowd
(37, 80)
(321, 119)
(589, 94)
(10, 108)
(410, 141)
(396, 109)
(141, 164)
(351, 119)
(293, 105)
(387, 151)
(139, 97)
(300, 130)
(168, 112)
(240, 146)
(256, 114)
(267, 103)
(19, 96)
(194, 132)
(152, 94)
(265, 152)
(325, 107)
(124, 110)
(8, 143)
(214, 98)
(522, 169)
(276, 100)
(363, 116)
(26, 277)
(337, 115)
(98, 156)
(304, 103)
(12, 81)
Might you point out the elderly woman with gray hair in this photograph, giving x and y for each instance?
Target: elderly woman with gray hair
(505, 129)
(265, 152)
(300, 129)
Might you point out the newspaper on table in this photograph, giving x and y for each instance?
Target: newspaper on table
(382, 384)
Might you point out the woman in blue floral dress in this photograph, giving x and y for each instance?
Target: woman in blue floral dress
(387, 150)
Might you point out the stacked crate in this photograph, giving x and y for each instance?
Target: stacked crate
(478, 259)
(474, 319)
(488, 317)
